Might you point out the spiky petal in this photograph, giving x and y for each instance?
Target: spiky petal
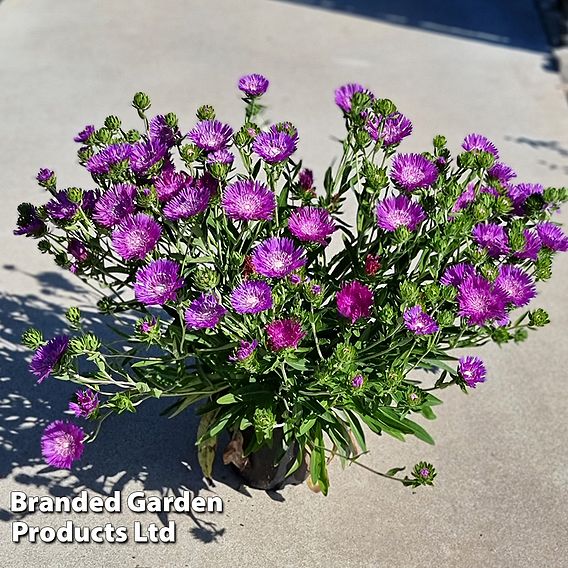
(355, 300)
(413, 171)
(48, 356)
(400, 211)
(62, 443)
(517, 285)
(158, 282)
(136, 236)
(284, 334)
(491, 237)
(472, 370)
(277, 257)
(248, 200)
(252, 297)
(313, 224)
(419, 322)
(204, 312)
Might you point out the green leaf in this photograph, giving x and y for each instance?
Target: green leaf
(306, 426)
(206, 449)
(227, 399)
(395, 470)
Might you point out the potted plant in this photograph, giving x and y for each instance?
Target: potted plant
(240, 305)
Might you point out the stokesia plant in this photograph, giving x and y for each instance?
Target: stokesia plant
(240, 306)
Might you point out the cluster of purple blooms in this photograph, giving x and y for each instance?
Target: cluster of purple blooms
(138, 233)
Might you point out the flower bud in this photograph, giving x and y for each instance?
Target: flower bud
(32, 338)
(485, 159)
(73, 315)
(141, 102)
(387, 314)
(189, 153)
(362, 138)
(538, 318)
(206, 279)
(103, 135)
(423, 473)
(384, 107)
(171, 120)
(206, 112)
(439, 142)
(112, 123)
(520, 335)
(75, 194)
(264, 422)
(466, 160)
(446, 318)
(133, 136)
(490, 272)
(44, 246)
(84, 344)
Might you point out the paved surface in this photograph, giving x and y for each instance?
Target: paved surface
(502, 495)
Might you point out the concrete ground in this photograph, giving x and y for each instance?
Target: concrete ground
(501, 499)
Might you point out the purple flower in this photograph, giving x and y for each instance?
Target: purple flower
(161, 133)
(85, 134)
(284, 333)
(391, 130)
(456, 274)
(115, 204)
(253, 85)
(169, 183)
(61, 208)
(533, 244)
(146, 154)
(357, 381)
(78, 250)
(491, 237)
(147, 326)
(29, 223)
(222, 156)
(344, 95)
(419, 322)
(110, 156)
(517, 285)
(413, 171)
(211, 135)
(89, 200)
(501, 173)
(395, 212)
(478, 142)
(277, 257)
(552, 236)
(306, 179)
(136, 236)
(295, 279)
(244, 351)
(190, 201)
(252, 297)
(313, 224)
(44, 175)
(469, 194)
(205, 312)
(472, 370)
(276, 145)
(48, 356)
(86, 402)
(354, 301)
(521, 192)
(62, 444)
(480, 302)
(158, 282)
(248, 200)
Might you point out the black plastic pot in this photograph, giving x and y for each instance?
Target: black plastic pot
(266, 469)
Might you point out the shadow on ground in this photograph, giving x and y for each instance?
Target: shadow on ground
(511, 23)
(144, 447)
